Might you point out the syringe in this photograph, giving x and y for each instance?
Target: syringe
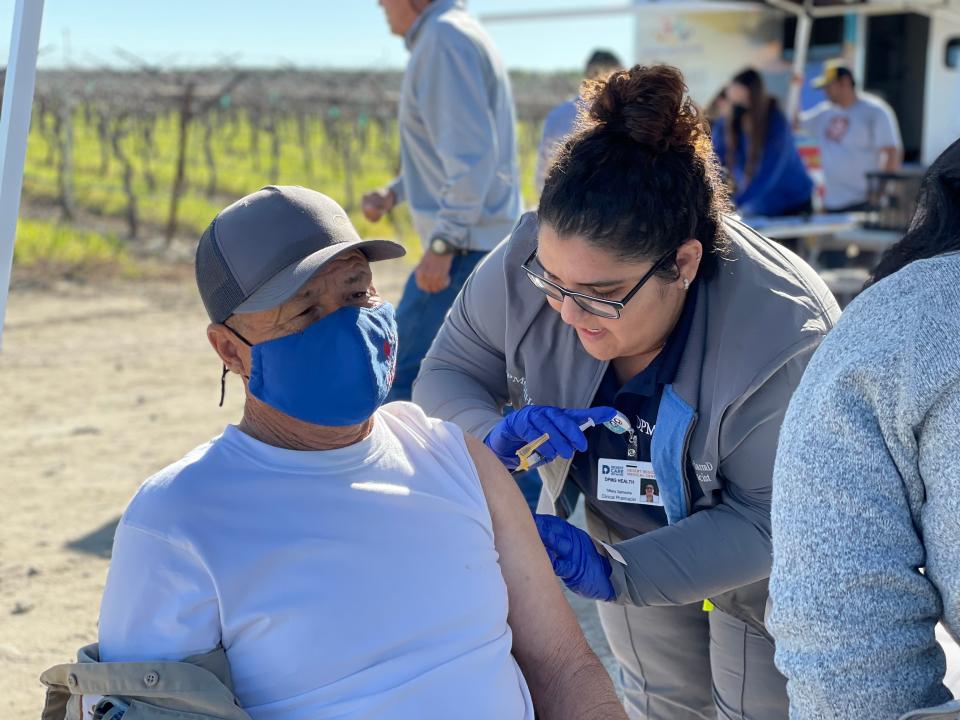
(529, 457)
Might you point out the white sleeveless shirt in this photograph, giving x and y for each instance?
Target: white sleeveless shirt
(353, 583)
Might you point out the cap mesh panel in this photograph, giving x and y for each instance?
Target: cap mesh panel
(219, 290)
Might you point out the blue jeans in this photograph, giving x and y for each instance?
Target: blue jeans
(419, 317)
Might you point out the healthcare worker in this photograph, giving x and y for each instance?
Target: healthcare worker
(630, 289)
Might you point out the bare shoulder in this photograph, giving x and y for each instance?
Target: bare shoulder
(482, 456)
(503, 496)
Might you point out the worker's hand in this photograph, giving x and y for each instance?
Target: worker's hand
(575, 558)
(377, 203)
(529, 423)
(433, 272)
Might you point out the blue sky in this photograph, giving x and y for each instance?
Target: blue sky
(311, 33)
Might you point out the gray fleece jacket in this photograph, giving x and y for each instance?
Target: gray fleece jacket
(755, 325)
(866, 504)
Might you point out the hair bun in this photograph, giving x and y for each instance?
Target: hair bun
(648, 104)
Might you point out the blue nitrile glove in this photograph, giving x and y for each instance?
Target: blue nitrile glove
(563, 425)
(575, 558)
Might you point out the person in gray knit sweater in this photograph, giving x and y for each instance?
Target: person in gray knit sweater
(866, 499)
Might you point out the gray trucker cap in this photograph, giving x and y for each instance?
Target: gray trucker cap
(259, 251)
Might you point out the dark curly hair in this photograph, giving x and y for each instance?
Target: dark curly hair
(639, 177)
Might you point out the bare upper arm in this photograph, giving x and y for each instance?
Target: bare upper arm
(566, 680)
(544, 626)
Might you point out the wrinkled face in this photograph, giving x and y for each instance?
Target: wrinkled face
(647, 318)
(401, 14)
(345, 281)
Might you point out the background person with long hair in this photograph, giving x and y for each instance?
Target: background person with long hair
(755, 143)
(874, 426)
(631, 289)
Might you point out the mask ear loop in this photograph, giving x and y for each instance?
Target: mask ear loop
(223, 384)
(223, 375)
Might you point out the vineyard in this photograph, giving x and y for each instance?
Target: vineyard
(121, 164)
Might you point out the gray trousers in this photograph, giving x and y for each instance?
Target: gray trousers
(681, 663)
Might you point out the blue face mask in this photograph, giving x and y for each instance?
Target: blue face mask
(336, 372)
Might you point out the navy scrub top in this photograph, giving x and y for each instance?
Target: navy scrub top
(639, 400)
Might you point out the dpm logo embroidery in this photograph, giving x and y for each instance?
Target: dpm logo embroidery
(522, 382)
(644, 427)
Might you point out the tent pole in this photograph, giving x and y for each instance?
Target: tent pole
(14, 128)
(801, 46)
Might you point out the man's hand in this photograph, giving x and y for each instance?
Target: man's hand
(433, 272)
(575, 558)
(377, 203)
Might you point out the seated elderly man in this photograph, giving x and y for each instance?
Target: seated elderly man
(353, 560)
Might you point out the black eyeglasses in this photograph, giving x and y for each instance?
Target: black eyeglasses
(595, 306)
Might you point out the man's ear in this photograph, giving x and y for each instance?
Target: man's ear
(234, 354)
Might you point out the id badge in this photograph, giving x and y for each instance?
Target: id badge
(627, 481)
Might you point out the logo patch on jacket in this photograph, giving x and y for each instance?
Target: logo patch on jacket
(704, 471)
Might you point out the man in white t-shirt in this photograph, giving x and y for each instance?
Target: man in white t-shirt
(353, 560)
(857, 133)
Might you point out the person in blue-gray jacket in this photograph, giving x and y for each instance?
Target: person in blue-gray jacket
(458, 163)
(755, 143)
(562, 120)
(865, 566)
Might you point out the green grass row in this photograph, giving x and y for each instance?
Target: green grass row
(241, 166)
(61, 250)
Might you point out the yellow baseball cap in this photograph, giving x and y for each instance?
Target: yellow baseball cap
(833, 70)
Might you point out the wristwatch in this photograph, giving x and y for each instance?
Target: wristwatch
(441, 246)
(110, 708)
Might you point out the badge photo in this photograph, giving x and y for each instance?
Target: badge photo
(650, 493)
